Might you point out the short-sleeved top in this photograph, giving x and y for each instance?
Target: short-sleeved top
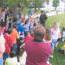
(37, 52)
(14, 35)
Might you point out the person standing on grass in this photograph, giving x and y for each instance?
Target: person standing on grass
(55, 31)
(14, 34)
(2, 43)
(43, 18)
(36, 49)
(8, 44)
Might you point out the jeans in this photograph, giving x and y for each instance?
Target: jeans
(53, 44)
(5, 56)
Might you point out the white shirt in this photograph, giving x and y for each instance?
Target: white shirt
(54, 34)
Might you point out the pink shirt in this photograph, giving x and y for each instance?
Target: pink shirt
(37, 52)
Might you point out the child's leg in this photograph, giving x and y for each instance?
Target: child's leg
(5, 56)
(52, 44)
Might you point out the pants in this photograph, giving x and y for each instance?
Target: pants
(5, 56)
(53, 44)
(1, 61)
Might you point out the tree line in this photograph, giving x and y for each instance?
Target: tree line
(27, 3)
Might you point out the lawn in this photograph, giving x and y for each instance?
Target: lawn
(60, 18)
(58, 59)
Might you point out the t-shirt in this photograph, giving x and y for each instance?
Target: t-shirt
(20, 27)
(37, 52)
(54, 33)
(8, 43)
(14, 35)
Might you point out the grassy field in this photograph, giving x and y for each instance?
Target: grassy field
(58, 59)
(60, 18)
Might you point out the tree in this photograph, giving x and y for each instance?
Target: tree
(47, 1)
(55, 3)
(1, 3)
(37, 4)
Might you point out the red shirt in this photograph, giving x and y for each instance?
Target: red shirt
(8, 44)
(37, 52)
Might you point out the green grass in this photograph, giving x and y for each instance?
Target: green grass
(60, 18)
(58, 59)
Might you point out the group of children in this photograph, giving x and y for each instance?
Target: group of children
(14, 32)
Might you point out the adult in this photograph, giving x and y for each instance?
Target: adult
(43, 18)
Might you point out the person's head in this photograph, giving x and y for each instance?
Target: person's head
(26, 21)
(2, 10)
(42, 12)
(9, 31)
(39, 32)
(54, 25)
(14, 19)
(14, 26)
(23, 19)
(2, 26)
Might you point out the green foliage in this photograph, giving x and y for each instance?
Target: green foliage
(12, 3)
(55, 3)
(24, 2)
(47, 1)
(38, 3)
(1, 2)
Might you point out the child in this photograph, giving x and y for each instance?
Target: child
(54, 35)
(2, 42)
(14, 34)
(8, 44)
(36, 49)
(2, 48)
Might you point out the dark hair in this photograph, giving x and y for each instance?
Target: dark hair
(39, 34)
(26, 21)
(14, 19)
(42, 11)
(9, 31)
(2, 24)
(12, 54)
(14, 26)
